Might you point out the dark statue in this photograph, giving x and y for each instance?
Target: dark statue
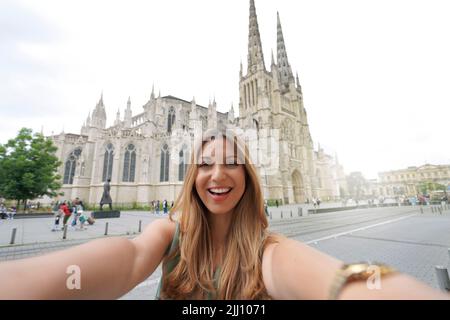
(106, 197)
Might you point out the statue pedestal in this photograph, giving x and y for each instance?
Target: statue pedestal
(105, 214)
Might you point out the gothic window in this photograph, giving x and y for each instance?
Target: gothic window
(182, 163)
(71, 163)
(108, 162)
(170, 119)
(129, 164)
(164, 170)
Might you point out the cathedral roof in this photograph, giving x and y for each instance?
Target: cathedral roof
(175, 98)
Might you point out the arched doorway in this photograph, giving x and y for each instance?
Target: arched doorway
(297, 185)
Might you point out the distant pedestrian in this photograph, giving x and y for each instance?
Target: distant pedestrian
(318, 202)
(164, 206)
(3, 211)
(157, 207)
(276, 203)
(152, 207)
(57, 214)
(266, 208)
(12, 212)
(66, 212)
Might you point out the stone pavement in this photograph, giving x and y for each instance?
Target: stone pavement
(401, 236)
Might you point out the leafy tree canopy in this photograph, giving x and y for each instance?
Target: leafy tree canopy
(29, 167)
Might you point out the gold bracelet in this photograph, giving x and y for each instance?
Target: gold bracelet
(349, 273)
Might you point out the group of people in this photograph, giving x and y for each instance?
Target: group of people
(65, 210)
(156, 206)
(6, 213)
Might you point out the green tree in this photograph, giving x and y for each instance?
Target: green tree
(28, 167)
(429, 186)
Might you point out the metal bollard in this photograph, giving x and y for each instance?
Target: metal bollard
(442, 278)
(271, 216)
(421, 209)
(299, 210)
(106, 228)
(291, 213)
(65, 232)
(140, 226)
(281, 214)
(448, 252)
(13, 236)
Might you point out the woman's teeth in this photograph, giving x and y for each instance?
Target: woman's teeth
(219, 190)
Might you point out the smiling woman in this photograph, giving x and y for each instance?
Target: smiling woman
(214, 245)
(223, 228)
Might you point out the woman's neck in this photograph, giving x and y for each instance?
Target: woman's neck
(220, 226)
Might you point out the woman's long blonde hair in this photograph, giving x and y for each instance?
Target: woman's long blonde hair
(241, 271)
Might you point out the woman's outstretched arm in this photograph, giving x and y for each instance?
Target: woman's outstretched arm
(100, 269)
(293, 270)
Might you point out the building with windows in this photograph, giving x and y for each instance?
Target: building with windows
(146, 155)
(406, 181)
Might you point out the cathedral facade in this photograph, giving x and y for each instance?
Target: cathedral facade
(146, 155)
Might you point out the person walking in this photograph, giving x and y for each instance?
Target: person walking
(74, 210)
(12, 212)
(266, 208)
(3, 211)
(157, 207)
(66, 212)
(57, 214)
(165, 206)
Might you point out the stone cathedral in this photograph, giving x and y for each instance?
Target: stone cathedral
(146, 155)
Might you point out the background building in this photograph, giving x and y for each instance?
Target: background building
(146, 155)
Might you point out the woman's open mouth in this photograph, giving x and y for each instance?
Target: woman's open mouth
(219, 194)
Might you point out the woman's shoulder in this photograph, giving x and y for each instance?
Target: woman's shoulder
(166, 226)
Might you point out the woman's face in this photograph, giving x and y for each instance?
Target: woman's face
(220, 180)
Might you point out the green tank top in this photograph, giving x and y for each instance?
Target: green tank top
(171, 264)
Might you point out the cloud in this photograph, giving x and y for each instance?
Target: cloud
(28, 75)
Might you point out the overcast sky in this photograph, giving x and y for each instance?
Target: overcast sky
(375, 74)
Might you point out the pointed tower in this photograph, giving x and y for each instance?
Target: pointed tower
(231, 114)
(255, 52)
(98, 119)
(152, 96)
(254, 92)
(212, 115)
(284, 68)
(128, 114)
(193, 114)
(117, 121)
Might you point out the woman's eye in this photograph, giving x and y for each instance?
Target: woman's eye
(205, 164)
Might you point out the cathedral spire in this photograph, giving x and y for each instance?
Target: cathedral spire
(128, 114)
(241, 72)
(282, 59)
(255, 52)
(152, 96)
(231, 114)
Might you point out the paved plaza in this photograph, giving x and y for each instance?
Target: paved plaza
(411, 241)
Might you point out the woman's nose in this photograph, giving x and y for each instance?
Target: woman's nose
(218, 172)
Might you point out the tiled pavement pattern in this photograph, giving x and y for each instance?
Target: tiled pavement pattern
(400, 236)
